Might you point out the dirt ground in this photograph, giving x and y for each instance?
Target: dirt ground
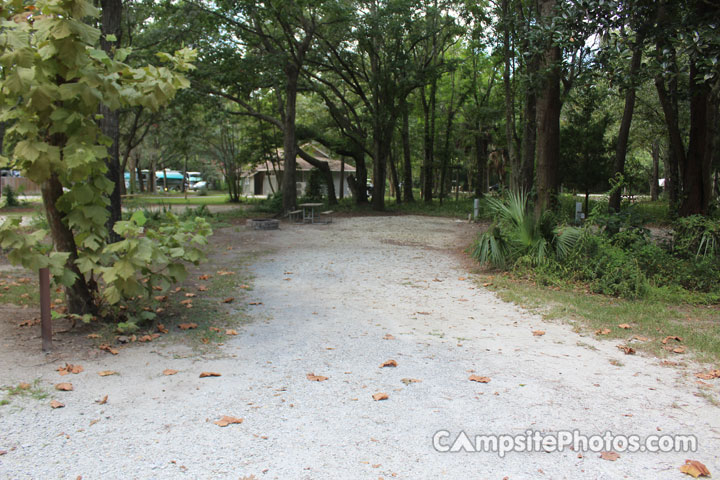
(337, 301)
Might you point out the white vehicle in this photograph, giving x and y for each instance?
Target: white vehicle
(198, 185)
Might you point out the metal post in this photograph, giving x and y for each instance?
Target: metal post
(45, 319)
(476, 208)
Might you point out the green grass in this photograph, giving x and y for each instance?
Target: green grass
(176, 199)
(28, 390)
(655, 317)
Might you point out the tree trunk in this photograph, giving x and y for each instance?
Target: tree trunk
(527, 168)
(394, 179)
(429, 141)
(696, 174)
(79, 297)
(361, 176)
(509, 99)
(110, 123)
(289, 187)
(624, 133)
(655, 171)
(407, 162)
(481, 159)
(342, 177)
(381, 151)
(548, 121)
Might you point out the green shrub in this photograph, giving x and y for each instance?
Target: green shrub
(11, 199)
(696, 236)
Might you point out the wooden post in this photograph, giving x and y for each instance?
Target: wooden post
(45, 319)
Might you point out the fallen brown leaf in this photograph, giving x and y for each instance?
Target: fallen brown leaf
(105, 373)
(93, 335)
(145, 338)
(24, 386)
(408, 381)
(389, 363)
(476, 378)
(169, 371)
(102, 401)
(209, 374)
(108, 349)
(671, 337)
(202, 288)
(709, 375)
(64, 387)
(678, 350)
(187, 326)
(315, 378)
(255, 303)
(186, 302)
(69, 368)
(204, 277)
(604, 331)
(56, 404)
(230, 331)
(215, 329)
(624, 326)
(611, 456)
(227, 420)
(695, 469)
(641, 339)
(229, 300)
(380, 396)
(627, 349)
(161, 328)
(190, 295)
(161, 298)
(538, 333)
(222, 273)
(388, 337)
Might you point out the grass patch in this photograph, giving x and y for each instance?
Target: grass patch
(24, 390)
(176, 199)
(653, 317)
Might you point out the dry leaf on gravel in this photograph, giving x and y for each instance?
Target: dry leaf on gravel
(624, 326)
(69, 368)
(229, 300)
(102, 401)
(678, 350)
(108, 349)
(64, 387)
(223, 273)
(105, 373)
(695, 469)
(380, 396)
(230, 331)
(169, 371)
(604, 331)
(389, 363)
(227, 420)
(24, 386)
(202, 288)
(538, 333)
(408, 381)
(671, 337)
(215, 329)
(209, 374)
(93, 335)
(161, 328)
(161, 298)
(315, 378)
(628, 350)
(388, 337)
(709, 375)
(56, 404)
(186, 302)
(611, 456)
(476, 378)
(187, 326)
(641, 338)
(204, 277)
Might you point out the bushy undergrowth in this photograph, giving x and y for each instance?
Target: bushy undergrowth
(611, 254)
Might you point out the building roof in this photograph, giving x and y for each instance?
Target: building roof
(312, 149)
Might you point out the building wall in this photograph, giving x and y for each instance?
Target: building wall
(249, 184)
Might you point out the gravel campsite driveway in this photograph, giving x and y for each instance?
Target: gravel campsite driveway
(338, 301)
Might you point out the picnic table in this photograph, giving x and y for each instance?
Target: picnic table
(311, 207)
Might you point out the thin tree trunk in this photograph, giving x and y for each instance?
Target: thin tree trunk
(289, 187)
(655, 171)
(394, 179)
(481, 160)
(429, 141)
(509, 99)
(407, 162)
(342, 177)
(624, 133)
(527, 168)
(79, 297)
(326, 172)
(110, 123)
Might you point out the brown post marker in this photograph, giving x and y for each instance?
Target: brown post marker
(45, 319)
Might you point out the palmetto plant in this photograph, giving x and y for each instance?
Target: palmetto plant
(518, 232)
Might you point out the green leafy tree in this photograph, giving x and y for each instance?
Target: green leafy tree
(56, 79)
